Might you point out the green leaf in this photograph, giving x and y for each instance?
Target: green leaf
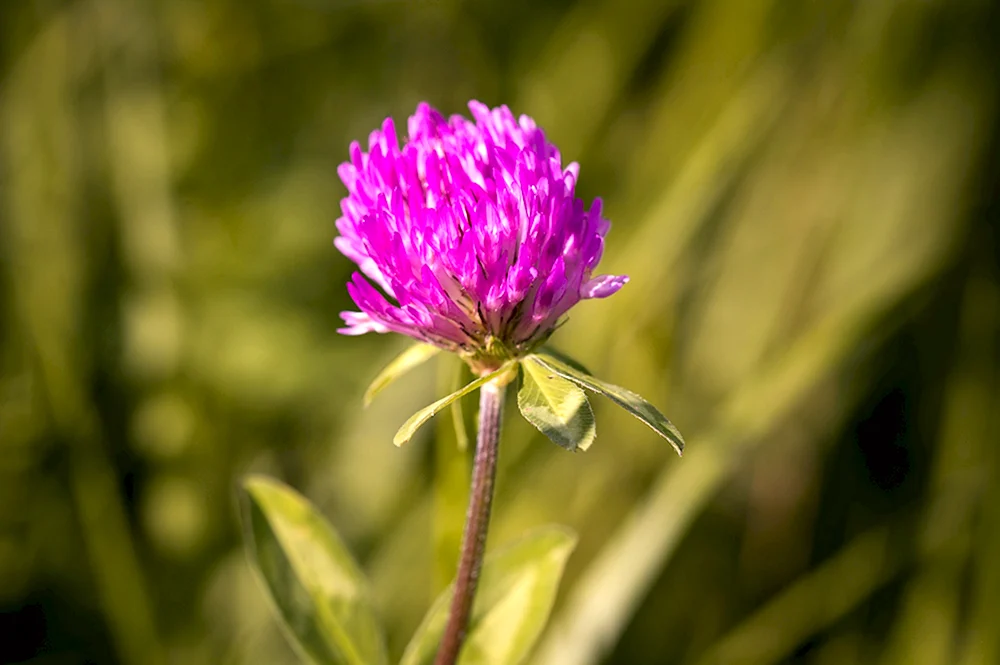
(457, 413)
(559, 355)
(626, 399)
(517, 588)
(557, 407)
(319, 592)
(401, 364)
(414, 422)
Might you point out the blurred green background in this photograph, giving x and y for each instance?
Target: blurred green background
(804, 193)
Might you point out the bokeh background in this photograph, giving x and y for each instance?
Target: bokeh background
(804, 193)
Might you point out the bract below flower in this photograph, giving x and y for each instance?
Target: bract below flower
(473, 233)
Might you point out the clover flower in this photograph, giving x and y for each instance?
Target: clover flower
(472, 231)
(470, 238)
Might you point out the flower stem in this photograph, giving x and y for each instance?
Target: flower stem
(477, 520)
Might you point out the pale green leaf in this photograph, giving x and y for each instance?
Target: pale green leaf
(320, 594)
(401, 364)
(557, 407)
(457, 413)
(517, 588)
(626, 399)
(559, 355)
(414, 422)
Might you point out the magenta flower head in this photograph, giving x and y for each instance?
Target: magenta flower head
(469, 236)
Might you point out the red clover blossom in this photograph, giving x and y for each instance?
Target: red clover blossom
(473, 231)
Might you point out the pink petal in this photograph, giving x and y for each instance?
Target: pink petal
(603, 286)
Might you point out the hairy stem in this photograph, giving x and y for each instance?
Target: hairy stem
(477, 519)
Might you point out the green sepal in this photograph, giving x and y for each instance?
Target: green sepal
(624, 398)
(557, 407)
